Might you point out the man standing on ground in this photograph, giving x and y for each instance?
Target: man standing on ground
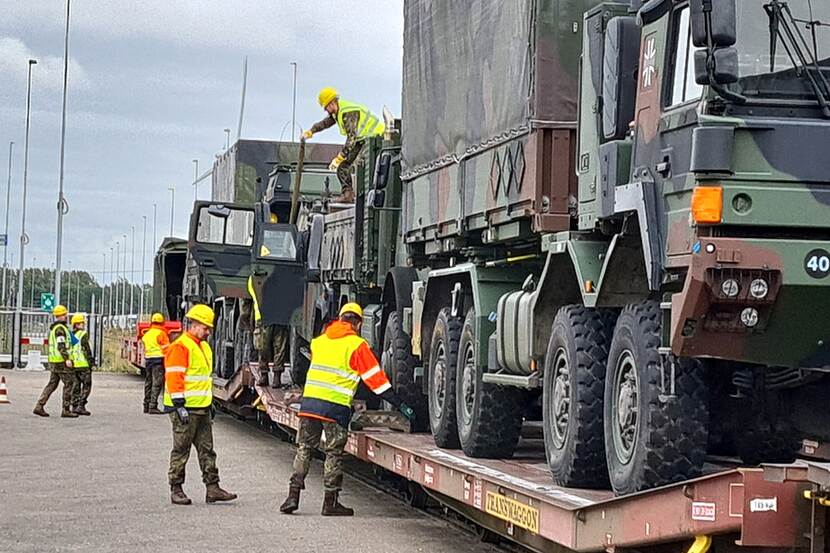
(340, 359)
(155, 342)
(83, 362)
(60, 365)
(188, 397)
(357, 124)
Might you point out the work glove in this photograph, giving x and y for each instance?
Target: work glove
(407, 412)
(335, 163)
(307, 134)
(182, 415)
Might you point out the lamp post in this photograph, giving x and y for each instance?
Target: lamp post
(143, 257)
(294, 102)
(63, 207)
(3, 294)
(32, 287)
(195, 180)
(132, 267)
(124, 271)
(23, 238)
(103, 280)
(112, 272)
(116, 277)
(172, 190)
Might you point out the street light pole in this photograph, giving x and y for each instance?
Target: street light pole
(3, 294)
(63, 206)
(32, 287)
(103, 280)
(132, 267)
(117, 277)
(294, 103)
(143, 258)
(124, 271)
(195, 180)
(23, 238)
(172, 190)
(112, 272)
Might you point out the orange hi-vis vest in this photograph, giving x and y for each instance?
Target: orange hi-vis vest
(188, 372)
(154, 340)
(340, 359)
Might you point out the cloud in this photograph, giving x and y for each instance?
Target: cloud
(46, 75)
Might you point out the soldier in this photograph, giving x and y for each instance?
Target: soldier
(155, 342)
(60, 366)
(188, 397)
(269, 340)
(83, 362)
(356, 123)
(340, 359)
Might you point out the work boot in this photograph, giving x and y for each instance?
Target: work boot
(345, 197)
(82, 411)
(177, 495)
(333, 508)
(40, 411)
(146, 409)
(292, 502)
(215, 493)
(154, 411)
(67, 414)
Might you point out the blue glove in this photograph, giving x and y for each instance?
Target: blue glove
(407, 411)
(183, 415)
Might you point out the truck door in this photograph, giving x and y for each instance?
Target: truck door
(278, 272)
(221, 236)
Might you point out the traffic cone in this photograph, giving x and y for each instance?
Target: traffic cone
(4, 393)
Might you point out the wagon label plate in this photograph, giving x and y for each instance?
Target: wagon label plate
(515, 512)
(704, 511)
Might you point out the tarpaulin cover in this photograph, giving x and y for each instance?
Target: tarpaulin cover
(476, 70)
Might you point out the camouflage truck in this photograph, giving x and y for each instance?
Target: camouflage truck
(168, 275)
(232, 237)
(618, 214)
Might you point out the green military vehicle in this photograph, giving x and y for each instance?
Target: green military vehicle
(616, 214)
(168, 275)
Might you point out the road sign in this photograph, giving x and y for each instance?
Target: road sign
(4, 239)
(47, 301)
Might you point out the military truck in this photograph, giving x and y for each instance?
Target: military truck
(614, 213)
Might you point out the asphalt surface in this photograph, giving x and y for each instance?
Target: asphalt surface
(99, 484)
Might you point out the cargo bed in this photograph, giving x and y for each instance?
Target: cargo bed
(759, 507)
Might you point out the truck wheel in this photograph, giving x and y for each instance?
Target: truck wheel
(650, 442)
(764, 442)
(489, 416)
(299, 362)
(443, 356)
(572, 397)
(399, 365)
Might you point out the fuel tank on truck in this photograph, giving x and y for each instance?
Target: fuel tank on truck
(490, 93)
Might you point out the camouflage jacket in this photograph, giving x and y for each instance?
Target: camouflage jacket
(350, 121)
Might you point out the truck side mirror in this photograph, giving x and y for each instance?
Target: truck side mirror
(725, 70)
(382, 168)
(721, 13)
(375, 198)
(619, 79)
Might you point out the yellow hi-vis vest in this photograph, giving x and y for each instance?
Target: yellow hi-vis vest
(54, 355)
(198, 379)
(152, 349)
(252, 292)
(79, 360)
(330, 377)
(368, 125)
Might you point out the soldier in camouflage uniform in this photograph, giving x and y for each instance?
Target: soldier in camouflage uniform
(83, 362)
(356, 123)
(60, 366)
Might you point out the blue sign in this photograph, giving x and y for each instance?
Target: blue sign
(47, 301)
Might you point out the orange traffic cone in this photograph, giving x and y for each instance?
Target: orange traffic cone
(4, 393)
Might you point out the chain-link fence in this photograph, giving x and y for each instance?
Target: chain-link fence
(24, 337)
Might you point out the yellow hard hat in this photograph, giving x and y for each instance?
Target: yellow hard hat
(77, 318)
(201, 313)
(326, 96)
(351, 308)
(60, 310)
(157, 318)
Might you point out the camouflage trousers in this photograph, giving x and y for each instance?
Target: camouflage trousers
(153, 381)
(58, 373)
(197, 432)
(308, 440)
(344, 170)
(271, 343)
(82, 388)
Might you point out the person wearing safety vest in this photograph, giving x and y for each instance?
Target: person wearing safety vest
(270, 340)
(83, 361)
(155, 341)
(340, 360)
(356, 123)
(60, 365)
(188, 397)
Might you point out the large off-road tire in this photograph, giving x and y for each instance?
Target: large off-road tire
(399, 365)
(650, 442)
(299, 362)
(443, 356)
(489, 416)
(573, 395)
(762, 441)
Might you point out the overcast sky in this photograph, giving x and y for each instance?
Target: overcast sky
(152, 85)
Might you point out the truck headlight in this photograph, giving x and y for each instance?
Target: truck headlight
(749, 317)
(730, 287)
(759, 288)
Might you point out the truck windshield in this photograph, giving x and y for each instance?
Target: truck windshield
(314, 183)
(769, 64)
(236, 228)
(277, 244)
